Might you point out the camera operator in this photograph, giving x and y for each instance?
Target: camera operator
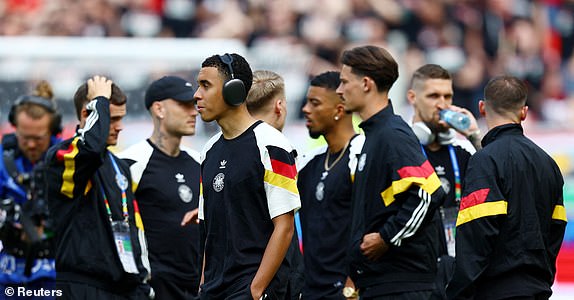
(26, 257)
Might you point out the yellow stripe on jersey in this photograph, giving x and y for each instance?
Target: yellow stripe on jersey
(559, 213)
(429, 185)
(485, 209)
(281, 181)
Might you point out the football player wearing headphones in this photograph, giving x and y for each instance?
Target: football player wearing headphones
(249, 190)
(27, 257)
(430, 92)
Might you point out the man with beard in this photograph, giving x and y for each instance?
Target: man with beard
(325, 185)
(430, 93)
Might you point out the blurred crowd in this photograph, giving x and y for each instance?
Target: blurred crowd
(473, 39)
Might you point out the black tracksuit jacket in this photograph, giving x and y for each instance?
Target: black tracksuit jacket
(511, 220)
(395, 193)
(79, 169)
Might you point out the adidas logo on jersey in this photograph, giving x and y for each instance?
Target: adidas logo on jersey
(179, 177)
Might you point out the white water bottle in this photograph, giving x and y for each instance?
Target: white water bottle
(458, 121)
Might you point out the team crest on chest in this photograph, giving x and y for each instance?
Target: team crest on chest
(218, 182)
(362, 162)
(185, 193)
(320, 191)
(445, 184)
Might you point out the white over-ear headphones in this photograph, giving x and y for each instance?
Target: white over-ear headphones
(426, 136)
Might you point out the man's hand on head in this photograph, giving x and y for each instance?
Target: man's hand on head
(99, 86)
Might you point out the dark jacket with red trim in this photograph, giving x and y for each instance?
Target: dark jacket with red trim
(511, 220)
(79, 171)
(395, 193)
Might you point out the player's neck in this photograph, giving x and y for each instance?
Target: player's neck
(235, 123)
(374, 103)
(337, 139)
(166, 143)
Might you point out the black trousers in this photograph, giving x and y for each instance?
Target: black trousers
(166, 288)
(419, 295)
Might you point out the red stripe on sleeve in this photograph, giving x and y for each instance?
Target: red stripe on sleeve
(424, 171)
(284, 169)
(474, 198)
(60, 153)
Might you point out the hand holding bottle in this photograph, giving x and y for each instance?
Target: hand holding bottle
(462, 121)
(456, 120)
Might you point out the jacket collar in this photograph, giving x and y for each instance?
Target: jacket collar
(371, 122)
(501, 130)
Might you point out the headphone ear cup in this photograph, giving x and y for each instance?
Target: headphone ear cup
(56, 124)
(11, 117)
(423, 133)
(447, 138)
(234, 92)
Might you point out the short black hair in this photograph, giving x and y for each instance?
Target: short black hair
(329, 80)
(241, 68)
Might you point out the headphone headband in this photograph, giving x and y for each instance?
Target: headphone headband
(228, 60)
(56, 126)
(234, 92)
(43, 102)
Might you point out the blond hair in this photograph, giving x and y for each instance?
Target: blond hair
(267, 85)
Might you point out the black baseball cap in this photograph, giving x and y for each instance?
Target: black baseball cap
(169, 87)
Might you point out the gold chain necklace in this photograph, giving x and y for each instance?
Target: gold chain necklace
(329, 167)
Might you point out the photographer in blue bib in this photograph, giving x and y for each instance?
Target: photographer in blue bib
(27, 256)
(436, 122)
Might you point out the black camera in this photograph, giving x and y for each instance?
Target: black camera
(27, 216)
(9, 212)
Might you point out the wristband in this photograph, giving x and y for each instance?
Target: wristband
(474, 135)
